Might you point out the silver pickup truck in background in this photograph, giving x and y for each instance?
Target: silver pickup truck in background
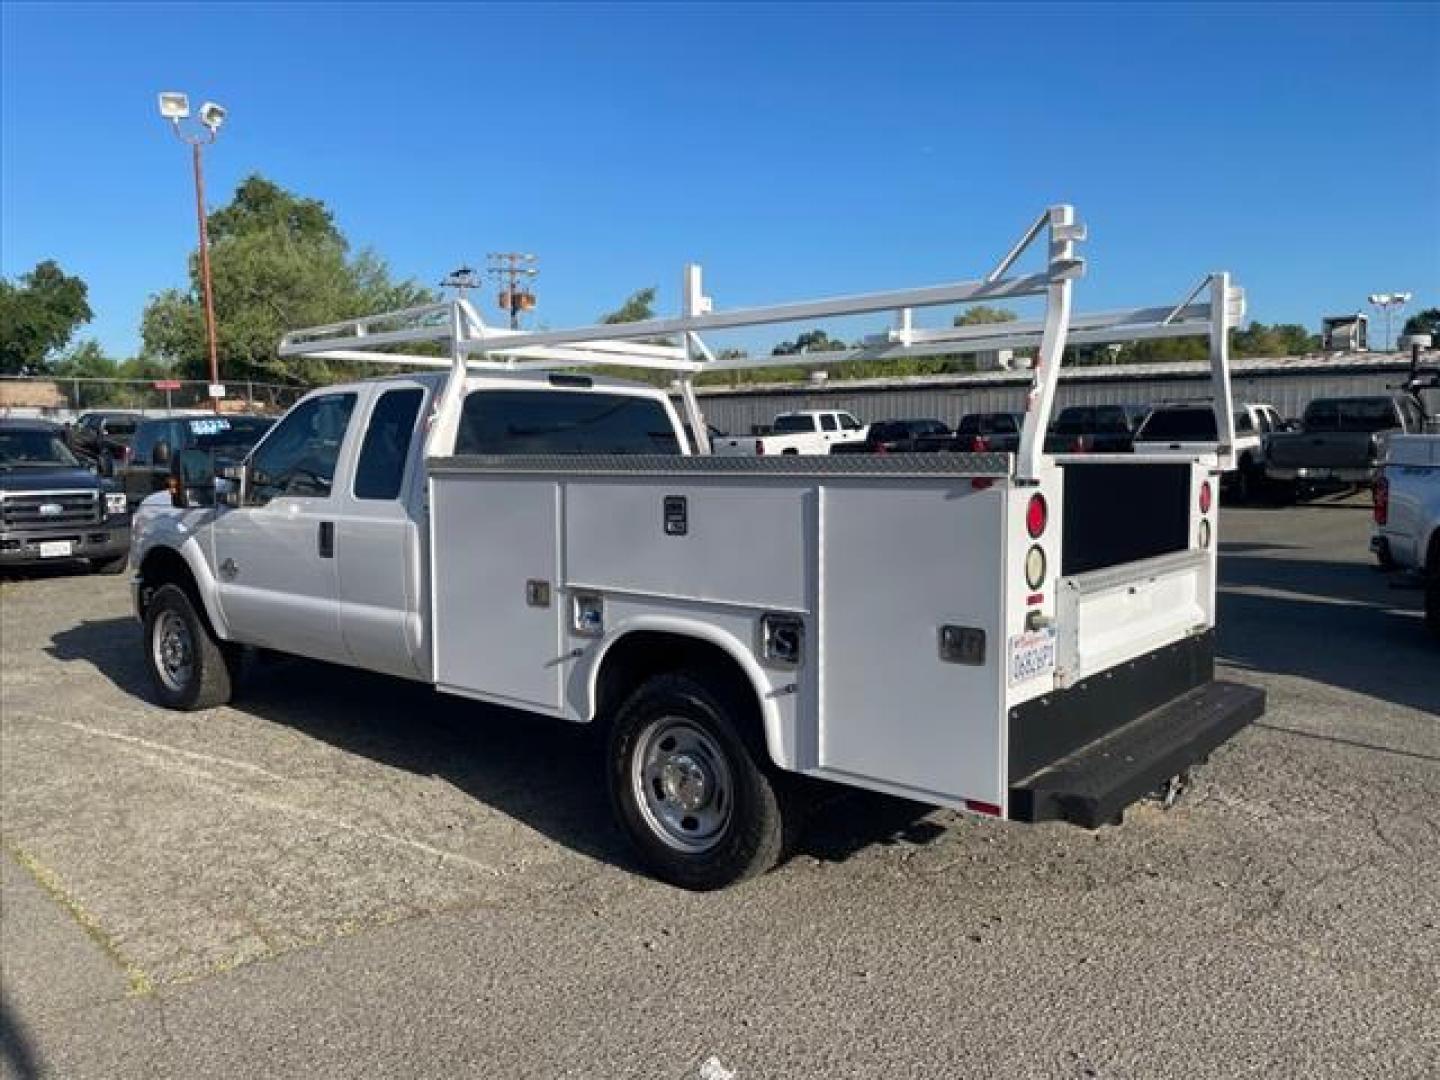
(1339, 444)
(1406, 537)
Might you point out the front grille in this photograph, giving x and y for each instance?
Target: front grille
(37, 509)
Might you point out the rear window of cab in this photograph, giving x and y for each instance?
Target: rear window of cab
(563, 422)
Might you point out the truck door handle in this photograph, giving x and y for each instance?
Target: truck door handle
(327, 539)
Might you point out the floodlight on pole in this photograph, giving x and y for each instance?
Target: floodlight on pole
(1388, 304)
(175, 107)
(212, 116)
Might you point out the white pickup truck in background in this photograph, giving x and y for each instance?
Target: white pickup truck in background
(813, 431)
(1406, 537)
(1036, 643)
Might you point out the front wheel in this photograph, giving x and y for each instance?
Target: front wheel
(188, 665)
(693, 793)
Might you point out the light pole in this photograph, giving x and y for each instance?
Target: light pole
(1389, 303)
(175, 107)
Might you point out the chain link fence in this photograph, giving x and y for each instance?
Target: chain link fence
(63, 399)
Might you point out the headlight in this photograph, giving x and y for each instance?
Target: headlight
(114, 503)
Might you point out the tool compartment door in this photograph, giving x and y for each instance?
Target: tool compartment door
(898, 563)
(494, 637)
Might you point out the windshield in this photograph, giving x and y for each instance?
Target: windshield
(1184, 425)
(236, 433)
(34, 447)
(1351, 414)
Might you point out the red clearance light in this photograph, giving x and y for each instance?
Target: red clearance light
(986, 808)
(1037, 516)
(1205, 497)
(1382, 501)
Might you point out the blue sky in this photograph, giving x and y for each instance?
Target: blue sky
(795, 151)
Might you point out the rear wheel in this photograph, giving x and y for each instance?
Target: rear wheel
(188, 665)
(694, 794)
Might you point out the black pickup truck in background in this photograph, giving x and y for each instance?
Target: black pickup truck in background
(895, 437)
(102, 439)
(53, 508)
(1095, 429)
(1340, 443)
(158, 442)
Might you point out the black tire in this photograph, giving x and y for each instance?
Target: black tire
(199, 675)
(1284, 492)
(709, 739)
(110, 567)
(1432, 603)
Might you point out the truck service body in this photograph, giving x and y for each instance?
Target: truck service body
(1018, 635)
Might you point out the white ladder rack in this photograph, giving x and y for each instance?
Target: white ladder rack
(472, 345)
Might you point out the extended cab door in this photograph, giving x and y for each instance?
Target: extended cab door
(378, 536)
(274, 557)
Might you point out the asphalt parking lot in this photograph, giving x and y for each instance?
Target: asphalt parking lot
(343, 874)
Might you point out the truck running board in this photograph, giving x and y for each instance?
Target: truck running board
(1092, 786)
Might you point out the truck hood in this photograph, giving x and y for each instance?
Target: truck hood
(49, 479)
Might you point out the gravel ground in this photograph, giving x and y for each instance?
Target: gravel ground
(345, 875)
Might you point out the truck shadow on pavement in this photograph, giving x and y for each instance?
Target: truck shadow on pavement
(1343, 624)
(15, 1051)
(542, 772)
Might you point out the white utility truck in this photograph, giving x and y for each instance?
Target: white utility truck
(1406, 536)
(811, 431)
(1017, 635)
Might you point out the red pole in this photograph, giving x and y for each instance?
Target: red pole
(205, 270)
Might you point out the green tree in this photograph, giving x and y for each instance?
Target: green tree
(279, 262)
(39, 314)
(1425, 322)
(980, 315)
(812, 341)
(638, 306)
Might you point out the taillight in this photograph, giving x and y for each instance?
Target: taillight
(978, 445)
(1382, 501)
(759, 447)
(1206, 497)
(1037, 515)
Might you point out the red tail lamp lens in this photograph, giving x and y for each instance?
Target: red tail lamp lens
(1037, 515)
(1382, 501)
(1205, 497)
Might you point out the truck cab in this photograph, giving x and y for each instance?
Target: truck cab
(317, 546)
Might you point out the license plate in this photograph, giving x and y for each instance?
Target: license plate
(1031, 655)
(56, 549)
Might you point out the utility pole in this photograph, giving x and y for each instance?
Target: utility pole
(513, 271)
(175, 107)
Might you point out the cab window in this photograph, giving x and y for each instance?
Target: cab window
(827, 422)
(298, 457)
(563, 422)
(849, 423)
(381, 468)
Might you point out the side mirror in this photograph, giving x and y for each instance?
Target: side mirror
(160, 453)
(192, 479)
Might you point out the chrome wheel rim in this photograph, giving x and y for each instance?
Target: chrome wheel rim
(173, 650)
(682, 784)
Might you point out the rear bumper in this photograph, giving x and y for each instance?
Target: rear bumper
(1094, 785)
(1358, 474)
(1084, 754)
